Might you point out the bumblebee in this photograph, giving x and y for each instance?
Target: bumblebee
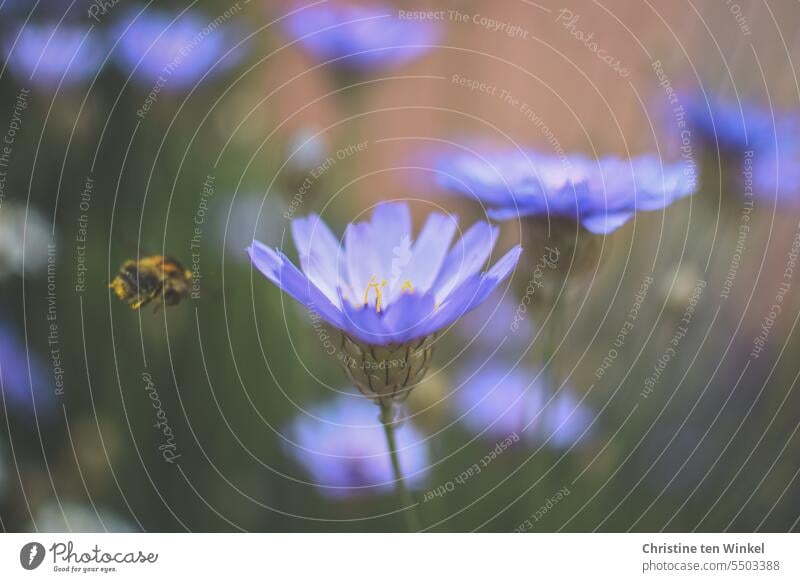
(155, 278)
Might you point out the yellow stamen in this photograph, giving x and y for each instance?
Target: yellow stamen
(378, 287)
(407, 286)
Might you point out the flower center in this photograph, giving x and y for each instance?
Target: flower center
(373, 285)
(378, 288)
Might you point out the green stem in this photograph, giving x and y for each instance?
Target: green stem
(410, 514)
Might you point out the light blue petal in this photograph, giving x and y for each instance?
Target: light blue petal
(391, 235)
(474, 291)
(319, 254)
(365, 324)
(428, 254)
(460, 301)
(408, 316)
(277, 268)
(605, 223)
(505, 265)
(362, 262)
(466, 258)
(511, 212)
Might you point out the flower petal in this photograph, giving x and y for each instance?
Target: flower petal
(505, 265)
(277, 268)
(509, 212)
(362, 262)
(403, 321)
(391, 235)
(428, 254)
(364, 323)
(605, 223)
(407, 317)
(319, 254)
(473, 292)
(466, 258)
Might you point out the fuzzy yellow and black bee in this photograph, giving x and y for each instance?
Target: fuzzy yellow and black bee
(155, 278)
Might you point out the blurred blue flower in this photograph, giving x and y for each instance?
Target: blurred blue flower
(360, 37)
(341, 445)
(601, 194)
(22, 387)
(498, 322)
(381, 287)
(48, 54)
(501, 400)
(175, 54)
(776, 176)
(734, 125)
(772, 138)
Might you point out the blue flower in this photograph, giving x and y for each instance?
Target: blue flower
(733, 125)
(49, 54)
(500, 400)
(341, 445)
(381, 287)
(496, 322)
(770, 138)
(600, 194)
(160, 50)
(360, 37)
(776, 176)
(24, 383)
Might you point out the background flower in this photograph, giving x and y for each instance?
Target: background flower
(341, 445)
(732, 124)
(24, 382)
(49, 54)
(771, 136)
(360, 37)
(175, 51)
(500, 399)
(601, 194)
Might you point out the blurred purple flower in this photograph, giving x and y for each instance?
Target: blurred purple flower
(341, 445)
(381, 287)
(601, 194)
(735, 126)
(776, 176)
(502, 401)
(772, 139)
(491, 324)
(22, 388)
(168, 53)
(360, 37)
(49, 54)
